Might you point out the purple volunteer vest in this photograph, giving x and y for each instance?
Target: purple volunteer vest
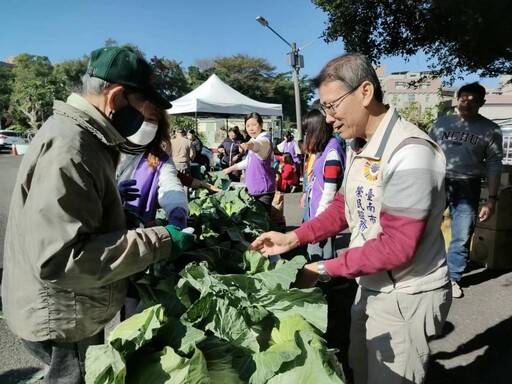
(289, 146)
(315, 183)
(260, 177)
(147, 182)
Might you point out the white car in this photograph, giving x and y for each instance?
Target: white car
(8, 138)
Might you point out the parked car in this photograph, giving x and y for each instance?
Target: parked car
(8, 138)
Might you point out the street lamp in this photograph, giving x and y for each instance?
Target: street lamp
(297, 62)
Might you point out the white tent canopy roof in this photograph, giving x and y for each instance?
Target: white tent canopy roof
(217, 98)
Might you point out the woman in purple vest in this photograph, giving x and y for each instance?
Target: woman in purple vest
(323, 175)
(146, 174)
(260, 177)
(289, 145)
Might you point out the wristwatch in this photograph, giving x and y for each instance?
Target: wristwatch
(494, 197)
(323, 276)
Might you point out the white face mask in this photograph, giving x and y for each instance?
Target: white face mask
(145, 134)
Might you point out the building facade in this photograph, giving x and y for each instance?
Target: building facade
(403, 88)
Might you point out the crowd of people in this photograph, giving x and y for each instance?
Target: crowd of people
(107, 151)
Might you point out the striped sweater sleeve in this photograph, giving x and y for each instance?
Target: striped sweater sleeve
(333, 172)
(411, 182)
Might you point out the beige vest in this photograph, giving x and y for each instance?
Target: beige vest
(363, 188)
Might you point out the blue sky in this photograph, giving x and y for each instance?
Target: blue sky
(183, 30)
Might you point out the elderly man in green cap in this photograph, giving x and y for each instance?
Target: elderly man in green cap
(68, 253)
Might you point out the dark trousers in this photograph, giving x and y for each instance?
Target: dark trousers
(266, 200)
(65, 361)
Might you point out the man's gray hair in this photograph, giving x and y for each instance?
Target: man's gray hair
(93, 85)
(352, 69)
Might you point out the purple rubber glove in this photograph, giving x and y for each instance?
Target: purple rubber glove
(127, 190)
(178, 217)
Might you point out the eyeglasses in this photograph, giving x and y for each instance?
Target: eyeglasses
(330, 108)
(469, 99)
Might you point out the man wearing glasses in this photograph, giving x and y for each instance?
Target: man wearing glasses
(392, 199)
(473, 148)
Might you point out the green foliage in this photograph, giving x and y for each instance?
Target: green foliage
(221, 314)
(69, 74)
(225, 224)
(34, 90)
(248, 75)
(461, 36)
(17, 127)
(185, 122)
(169, 78)
(250, 327)
(424, 120)
(6, 83)
(34, 83)
(195, 76)
(284, 93)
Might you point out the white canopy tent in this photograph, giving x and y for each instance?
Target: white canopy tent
(214, 97)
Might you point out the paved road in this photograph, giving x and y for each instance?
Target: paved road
(476, 347)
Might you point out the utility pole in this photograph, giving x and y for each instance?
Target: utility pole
(296, 61)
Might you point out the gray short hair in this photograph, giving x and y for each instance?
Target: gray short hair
(93, 85)
(351, 69)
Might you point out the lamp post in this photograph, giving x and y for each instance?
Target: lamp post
(297, 62)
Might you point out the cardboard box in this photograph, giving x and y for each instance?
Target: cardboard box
(492, 248)
(502, 218)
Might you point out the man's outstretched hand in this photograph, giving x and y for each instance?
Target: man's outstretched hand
(275, 243)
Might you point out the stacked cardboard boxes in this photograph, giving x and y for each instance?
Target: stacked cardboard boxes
(492, 240)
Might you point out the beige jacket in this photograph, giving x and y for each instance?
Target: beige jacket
(182, 150)
(67, 251)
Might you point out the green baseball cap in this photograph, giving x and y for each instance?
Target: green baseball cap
(122, 66)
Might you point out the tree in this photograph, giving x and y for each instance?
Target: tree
(460, 36)
(284, 93)
(195, 76)
(250, 76)
(185, 122)
(69, 74)
(6, 79)
(33, 91)
(169, 78)
(424, 120)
